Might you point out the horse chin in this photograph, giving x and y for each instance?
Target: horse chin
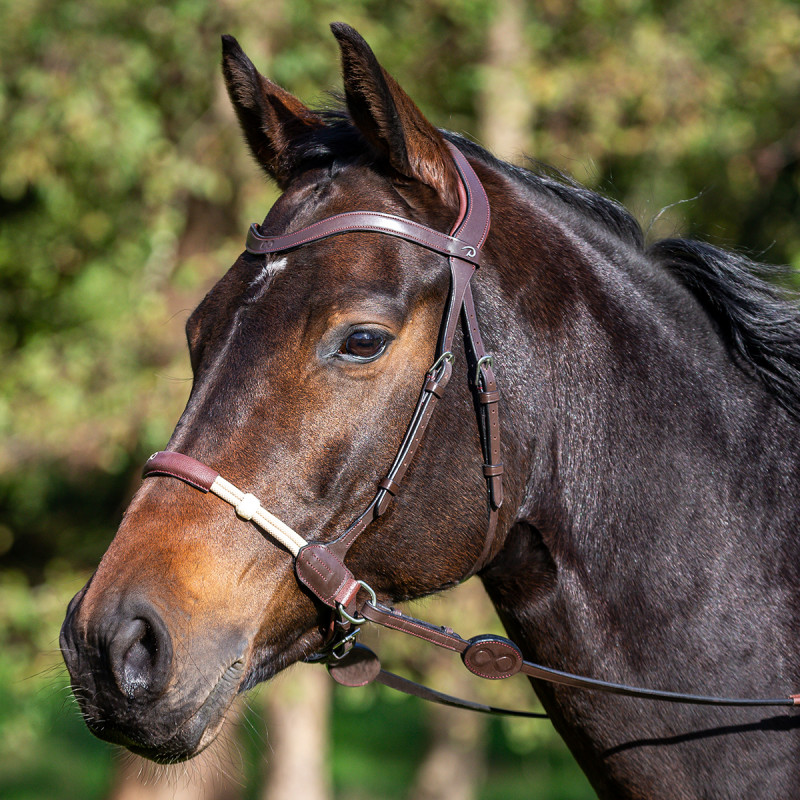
(192, 736)
(271, 660)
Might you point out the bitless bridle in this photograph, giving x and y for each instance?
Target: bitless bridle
(320, 567)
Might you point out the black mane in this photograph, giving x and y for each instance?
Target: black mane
(549, 181)
(759, 321)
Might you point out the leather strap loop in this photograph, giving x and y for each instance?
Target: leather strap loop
(390, 486)
(433, 386)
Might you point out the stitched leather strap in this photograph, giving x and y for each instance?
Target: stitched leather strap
(366, 221)
(490, 653)
(484, 389)
(464, 242)
(184, 468)
(326, 576)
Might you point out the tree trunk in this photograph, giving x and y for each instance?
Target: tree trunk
(505, 110)
(455, 764)
(297, 707)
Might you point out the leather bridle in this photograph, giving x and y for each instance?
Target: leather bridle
(320, 567)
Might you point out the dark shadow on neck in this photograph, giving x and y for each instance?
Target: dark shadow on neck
(779, 724)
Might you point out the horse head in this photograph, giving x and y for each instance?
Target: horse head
(307, 366)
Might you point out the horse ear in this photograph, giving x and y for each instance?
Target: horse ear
(390, 121)
(274, 122)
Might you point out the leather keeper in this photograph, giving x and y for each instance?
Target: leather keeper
(383, 502)
(391, 486)
(496, 491)
(433, 387)
(494, 474)
(486, 398)
(325, 575)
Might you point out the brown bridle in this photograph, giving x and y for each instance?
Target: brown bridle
(320, 566)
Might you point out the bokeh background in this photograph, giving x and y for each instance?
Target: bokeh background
(126, 191)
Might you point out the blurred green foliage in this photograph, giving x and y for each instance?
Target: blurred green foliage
(125, 190)
(42, 737)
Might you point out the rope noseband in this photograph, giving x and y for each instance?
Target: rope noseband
(321, 568)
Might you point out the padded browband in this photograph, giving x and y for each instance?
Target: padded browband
(473, 229)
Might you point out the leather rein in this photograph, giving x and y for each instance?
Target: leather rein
(320, 567)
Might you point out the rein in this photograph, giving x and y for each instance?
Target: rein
(320, 567)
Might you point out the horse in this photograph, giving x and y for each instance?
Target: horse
(628, 496)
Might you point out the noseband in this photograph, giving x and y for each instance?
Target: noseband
(320, 566)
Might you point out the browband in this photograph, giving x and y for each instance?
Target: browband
(367, 221)
(472, 226)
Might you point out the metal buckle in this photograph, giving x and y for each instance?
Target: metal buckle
(342, 648)
(334, 650)
(487, 359)
(446, 356)
(356, 620)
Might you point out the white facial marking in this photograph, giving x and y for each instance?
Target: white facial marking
(272, 267)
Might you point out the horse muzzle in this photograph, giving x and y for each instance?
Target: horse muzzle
(136, 686)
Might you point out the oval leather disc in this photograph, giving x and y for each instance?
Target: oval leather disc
(492, 657)
(358, 668)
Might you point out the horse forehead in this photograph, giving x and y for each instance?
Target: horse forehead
(320, 193)
(273, 265)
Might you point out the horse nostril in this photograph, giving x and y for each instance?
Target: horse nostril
(140, 657)
(137, 663)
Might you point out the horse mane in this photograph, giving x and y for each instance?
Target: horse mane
(758, 320)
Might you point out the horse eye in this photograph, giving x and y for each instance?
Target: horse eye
(363, 345)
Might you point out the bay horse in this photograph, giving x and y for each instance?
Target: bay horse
(635, 517)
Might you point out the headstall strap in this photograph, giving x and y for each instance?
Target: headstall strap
(321, 568)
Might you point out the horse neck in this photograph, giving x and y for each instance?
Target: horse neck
(660, 482)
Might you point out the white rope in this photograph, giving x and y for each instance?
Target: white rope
(248, 507)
